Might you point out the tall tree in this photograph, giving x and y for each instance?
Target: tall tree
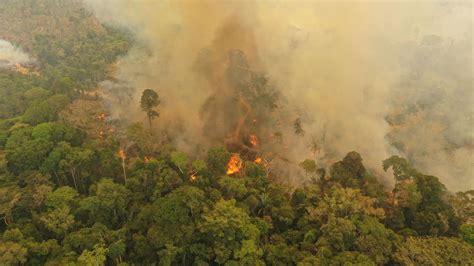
(148, 102)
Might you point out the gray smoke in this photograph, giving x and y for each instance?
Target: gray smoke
(380, 78)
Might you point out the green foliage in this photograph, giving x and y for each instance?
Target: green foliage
(46, 110)
(174, 216)
(56, 132)
(401, 168)
(229, 234)
(434, 251)
(63, 199)
(180, 160)
(199, 165)
(375, 241)
(217, 159)
(244, 220)
(12, 253)
(93, 257)
(467, 233)
(36, 94)
(108, 203)
(24, 153)
(420, 202)
(349, 172)
(116, 250)
(232, 188)
(351, 258)
(58, 220)
(282, 254)
(344, 202)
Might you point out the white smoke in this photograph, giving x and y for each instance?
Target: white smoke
(11, 55)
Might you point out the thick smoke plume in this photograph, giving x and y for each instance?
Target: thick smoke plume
(377, 77)
(11, 55)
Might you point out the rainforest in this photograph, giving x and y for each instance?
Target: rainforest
(228, 132)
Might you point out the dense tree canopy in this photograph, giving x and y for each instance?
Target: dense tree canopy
(64, 201)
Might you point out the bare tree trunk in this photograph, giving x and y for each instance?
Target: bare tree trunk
(83, 186)
(8, 218)
(74, 179)
(150, 125)
(124, 171)
(57, 178)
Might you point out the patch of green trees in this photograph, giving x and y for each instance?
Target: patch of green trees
(64, 201)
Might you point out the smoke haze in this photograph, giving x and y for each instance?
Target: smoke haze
(11, 55)
(380, 78)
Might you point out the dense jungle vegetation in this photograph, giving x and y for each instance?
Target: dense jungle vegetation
(64, 198)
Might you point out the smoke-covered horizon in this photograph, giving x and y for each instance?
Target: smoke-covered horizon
(380, 78)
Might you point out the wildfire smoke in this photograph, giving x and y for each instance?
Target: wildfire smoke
(341, 67)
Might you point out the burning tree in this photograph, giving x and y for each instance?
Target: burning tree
(234, 165)
(148, 102)
(241, 108)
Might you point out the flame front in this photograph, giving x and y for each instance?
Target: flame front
(22, 70)
(258, 160)
(234, 165)
(253, 140)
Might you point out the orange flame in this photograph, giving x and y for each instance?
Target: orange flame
(22, 70)
(121, 154)
(253, 140)
(102, 116)
(258, 160)
(193, 177)
(234, 165)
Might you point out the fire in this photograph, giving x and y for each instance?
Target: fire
(22, 70)
(102, 116)
(258, 160)
(234, 165)
(253, 140)
(193, 177)
(121, 154)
